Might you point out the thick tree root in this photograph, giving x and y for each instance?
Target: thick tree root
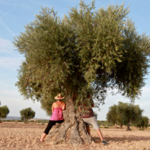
(75, 138)
(84, 135)
(72, 131)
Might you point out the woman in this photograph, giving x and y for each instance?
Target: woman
(57, 115)
(89, 118)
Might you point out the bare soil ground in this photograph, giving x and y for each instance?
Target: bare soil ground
(20, 136)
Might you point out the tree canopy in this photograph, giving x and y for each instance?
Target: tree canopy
(143, 122)
(86, 50)
(4, 111)
(26, 114)
(124, 114)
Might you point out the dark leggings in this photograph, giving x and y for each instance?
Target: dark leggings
(51, 123)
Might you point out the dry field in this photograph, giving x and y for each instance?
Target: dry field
(20, 136)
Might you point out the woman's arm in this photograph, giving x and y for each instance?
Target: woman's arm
(79, 108)
(64, 106)
(52, 107)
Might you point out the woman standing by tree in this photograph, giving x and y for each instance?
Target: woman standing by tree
(57, 115)
(89, 118)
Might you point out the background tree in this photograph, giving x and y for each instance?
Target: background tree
(143, 122)
(112, 115)
(4, 111)
(124, 114)
(130, 113)
(26, 114)
(86, 51)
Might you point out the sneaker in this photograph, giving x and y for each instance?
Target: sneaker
(104, 142)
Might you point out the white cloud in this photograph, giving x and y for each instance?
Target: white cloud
(146, 90)
(12, 60)
(6, 46)
(3, 84)
(11, 63)
(10, 92)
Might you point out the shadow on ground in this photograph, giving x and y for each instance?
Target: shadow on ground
(123, 139)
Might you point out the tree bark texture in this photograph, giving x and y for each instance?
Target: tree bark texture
(128, 126)
(120, 126)
(72, 131)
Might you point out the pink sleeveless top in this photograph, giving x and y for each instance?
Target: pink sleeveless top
(57, 114)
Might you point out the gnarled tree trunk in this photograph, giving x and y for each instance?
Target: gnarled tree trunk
(72, 131)
(128, 126)
(121, 126)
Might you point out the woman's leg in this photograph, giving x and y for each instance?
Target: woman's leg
(42, 137)
(49, 126)
(60, 121)
(88, 129)
(100, 134)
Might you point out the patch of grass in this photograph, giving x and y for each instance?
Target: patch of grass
(104, 123)
(42, 121)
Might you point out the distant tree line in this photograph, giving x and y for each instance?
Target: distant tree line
(26, 114)
(127, 114)
(122, 114)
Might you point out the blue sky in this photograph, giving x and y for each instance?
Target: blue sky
(15, 14)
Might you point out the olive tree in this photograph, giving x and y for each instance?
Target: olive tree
(124, 114)
(26, 114)
(112, 115)
(130, 113)
(86, 51)
(4, 111)
(143, 122)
